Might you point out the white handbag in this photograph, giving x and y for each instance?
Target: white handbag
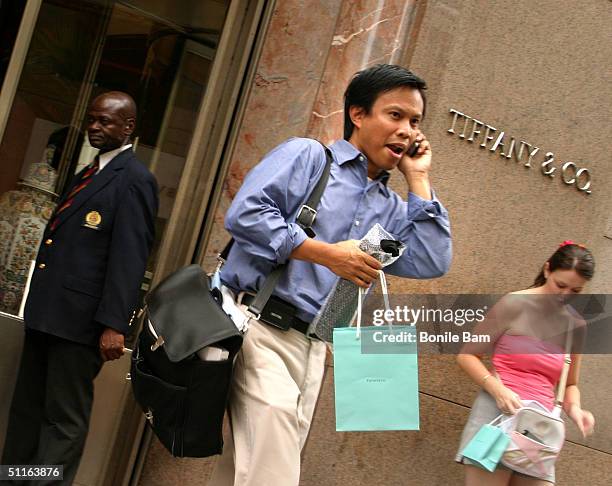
(540, 425)
(536, 438)
(537, 434)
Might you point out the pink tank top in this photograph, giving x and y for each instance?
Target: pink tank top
(532, 376)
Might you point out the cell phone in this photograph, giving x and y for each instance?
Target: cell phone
(390, 246)
(531, 436)
(413, 149)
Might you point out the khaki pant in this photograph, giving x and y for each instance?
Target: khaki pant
(277, 378)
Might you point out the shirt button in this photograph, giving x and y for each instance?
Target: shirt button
(356, 223)
(41, 265)
(361, 158)
(49, 241)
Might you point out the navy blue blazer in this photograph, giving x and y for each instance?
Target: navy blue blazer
(90, 267)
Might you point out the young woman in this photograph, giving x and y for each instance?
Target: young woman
(529, 330)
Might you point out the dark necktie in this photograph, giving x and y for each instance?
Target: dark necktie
(86, 178)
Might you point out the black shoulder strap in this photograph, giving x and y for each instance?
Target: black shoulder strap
(305, 219)
(308, 212)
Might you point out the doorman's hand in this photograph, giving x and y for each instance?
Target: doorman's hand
(111, 344)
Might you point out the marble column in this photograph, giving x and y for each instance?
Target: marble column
(368, 32)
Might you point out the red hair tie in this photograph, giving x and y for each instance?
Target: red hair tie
(570, 242)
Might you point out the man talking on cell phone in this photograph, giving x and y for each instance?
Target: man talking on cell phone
(278, 373)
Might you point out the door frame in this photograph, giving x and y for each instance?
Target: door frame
(207, 158)
(206, 165)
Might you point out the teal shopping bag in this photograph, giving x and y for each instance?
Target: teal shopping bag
(487, 447)
(376, 378)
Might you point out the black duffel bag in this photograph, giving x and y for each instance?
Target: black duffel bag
(184, 398)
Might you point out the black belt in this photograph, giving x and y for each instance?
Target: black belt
(279, 313)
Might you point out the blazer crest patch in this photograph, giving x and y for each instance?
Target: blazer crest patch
(93, 220)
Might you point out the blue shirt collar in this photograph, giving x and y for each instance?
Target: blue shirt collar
(345, 151)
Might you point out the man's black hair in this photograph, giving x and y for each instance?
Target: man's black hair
(368, 84)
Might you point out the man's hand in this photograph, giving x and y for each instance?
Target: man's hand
(421, 162)
(111, 344)
(416, 169)
(344, 258)
(354, 264)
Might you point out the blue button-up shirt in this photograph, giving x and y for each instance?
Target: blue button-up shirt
(262, 221)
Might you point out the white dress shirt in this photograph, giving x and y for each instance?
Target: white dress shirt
(106, 157)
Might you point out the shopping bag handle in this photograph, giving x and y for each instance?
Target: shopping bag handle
(500, 416)
(362, 292)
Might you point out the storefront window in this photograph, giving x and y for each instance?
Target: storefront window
(160, 52)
